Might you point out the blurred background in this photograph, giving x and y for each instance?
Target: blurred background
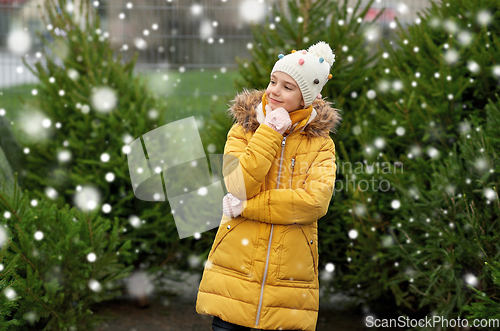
(189, 36)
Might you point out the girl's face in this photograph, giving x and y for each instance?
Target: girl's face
(283, 91)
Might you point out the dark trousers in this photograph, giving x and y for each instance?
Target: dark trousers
(220, 325)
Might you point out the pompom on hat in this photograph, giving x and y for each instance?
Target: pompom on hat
(310, 69)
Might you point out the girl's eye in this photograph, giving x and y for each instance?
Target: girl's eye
(288, 88)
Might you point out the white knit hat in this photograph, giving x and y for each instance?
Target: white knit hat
(310, 69)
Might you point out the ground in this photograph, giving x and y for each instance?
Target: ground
(181, 316)
(172, 308)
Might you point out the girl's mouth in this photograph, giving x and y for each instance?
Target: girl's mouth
(274, 101)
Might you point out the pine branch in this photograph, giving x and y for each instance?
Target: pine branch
(34, 297)
(13, 211)
(24, 257)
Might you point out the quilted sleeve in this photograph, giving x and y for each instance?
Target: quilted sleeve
(303, 205)
(247, 162)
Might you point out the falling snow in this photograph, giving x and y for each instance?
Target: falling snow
(87, 198)
(252, 11)
(94, 285)
(140, 284)
(19, 42)
(103, 99)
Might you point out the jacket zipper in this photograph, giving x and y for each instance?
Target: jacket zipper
(270, 238)
(281, 159)
(291, 175)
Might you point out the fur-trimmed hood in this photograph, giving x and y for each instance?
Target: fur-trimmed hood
(246, 109)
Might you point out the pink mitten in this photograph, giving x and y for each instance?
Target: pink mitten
(231, 205)
(278, 119)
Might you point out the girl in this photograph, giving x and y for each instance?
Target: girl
(262, 270)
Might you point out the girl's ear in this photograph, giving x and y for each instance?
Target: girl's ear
(302, 103)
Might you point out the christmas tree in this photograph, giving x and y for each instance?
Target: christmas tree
(88, 108)
(55, 263)
(429, 145)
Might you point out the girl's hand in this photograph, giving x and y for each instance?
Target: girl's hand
(278, 119)
(231, 205)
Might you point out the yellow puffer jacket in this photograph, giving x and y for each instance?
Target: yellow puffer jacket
(262, 270)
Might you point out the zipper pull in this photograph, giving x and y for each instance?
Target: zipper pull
(283, 142)
(293, 163)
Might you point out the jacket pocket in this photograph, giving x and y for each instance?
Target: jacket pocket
(235, 246)
(296, 256)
